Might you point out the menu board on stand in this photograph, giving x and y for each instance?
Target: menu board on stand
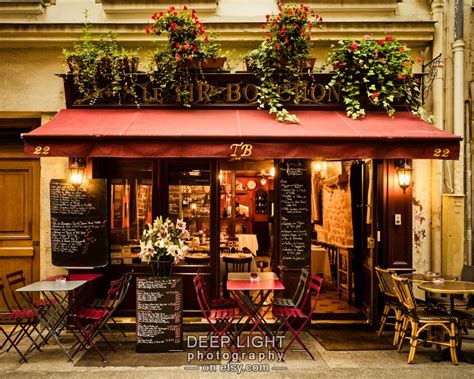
(159, 315)
(79, 235)
(295, 212)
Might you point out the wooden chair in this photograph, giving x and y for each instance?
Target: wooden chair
(234, 264)
(333, 258)
(421, 320)
(386, 287)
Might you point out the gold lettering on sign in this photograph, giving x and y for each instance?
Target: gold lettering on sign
(253, 90)
(314, 90)
(304, 90)
(240, 150)
(336, 91)
(285, 90)
(441, 153)
(203, 92)
(233, 92)
(41, 150)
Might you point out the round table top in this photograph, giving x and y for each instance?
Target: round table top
(418, 277)
(448, 287)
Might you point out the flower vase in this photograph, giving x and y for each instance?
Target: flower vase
(161, 267)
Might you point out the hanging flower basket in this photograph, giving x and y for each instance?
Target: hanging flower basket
(377, 72)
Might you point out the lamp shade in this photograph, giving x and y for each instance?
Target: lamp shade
(404, 176)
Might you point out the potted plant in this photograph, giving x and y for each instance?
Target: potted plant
(281, 60)
(189, 49)
(162, 244)
(375, 71)
(102, 68)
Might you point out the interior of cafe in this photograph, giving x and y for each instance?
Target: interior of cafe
(245, 201)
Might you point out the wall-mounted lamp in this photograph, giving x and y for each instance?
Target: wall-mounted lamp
(272, 172)
(404, 175)
(76, 172)
(263, 181)
(221, 176)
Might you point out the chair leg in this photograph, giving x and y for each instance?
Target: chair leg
(383, 320)
(403, 333)
(398, 321)
(413, 341)
(452, 343)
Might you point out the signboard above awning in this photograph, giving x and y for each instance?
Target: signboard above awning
(237, 134)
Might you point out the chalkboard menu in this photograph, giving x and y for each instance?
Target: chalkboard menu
(159, 315)
(79, 223)
(295, 212)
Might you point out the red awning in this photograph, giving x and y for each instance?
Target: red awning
(244, 133)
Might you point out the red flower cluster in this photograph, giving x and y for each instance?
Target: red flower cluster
(291, 25)
(187, 39)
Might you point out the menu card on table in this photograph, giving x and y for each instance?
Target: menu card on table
(295, 212)
(159, 315)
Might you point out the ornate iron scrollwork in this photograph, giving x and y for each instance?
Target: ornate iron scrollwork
(430, 71)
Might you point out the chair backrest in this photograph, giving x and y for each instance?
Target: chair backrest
(234, 264)
(4, 296)
(17, 280)
(313, 284)
(201, 296)
(111, 302)
(386, 284)
(300, 289)
(467, 274)
(125, 285)
(404, 293)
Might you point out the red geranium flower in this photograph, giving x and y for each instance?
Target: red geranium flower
(388, 38)
(381, 42)
(354, 46)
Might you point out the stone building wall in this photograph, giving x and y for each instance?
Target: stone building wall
(336, 208)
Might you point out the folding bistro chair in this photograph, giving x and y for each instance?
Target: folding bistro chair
(26, 322)
(99, 303)
(90, 320)
(219, 319)
(297, 296)
(294, 318)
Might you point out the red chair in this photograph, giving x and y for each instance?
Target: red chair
(222, 302)
(17, 280)
(219, 319)
(294, 318)
(26, 322)
(90, 320)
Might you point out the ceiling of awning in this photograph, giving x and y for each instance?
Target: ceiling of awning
(244, 133)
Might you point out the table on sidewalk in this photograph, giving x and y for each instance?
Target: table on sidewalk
(240, 285)
(60, 296)
(450, 288)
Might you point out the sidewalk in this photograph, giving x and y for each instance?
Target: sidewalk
(52, 363)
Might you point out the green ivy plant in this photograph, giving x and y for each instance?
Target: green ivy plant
(101, 68)
(179, 63)
(280, 61)
(376, 71)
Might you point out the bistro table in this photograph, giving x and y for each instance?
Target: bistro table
(240, 283)
(62, 297)
(450, 288)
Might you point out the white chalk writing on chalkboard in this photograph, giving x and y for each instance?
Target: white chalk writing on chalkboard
(159, 314)
(294, 212)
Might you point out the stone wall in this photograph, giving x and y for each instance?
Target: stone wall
(336, 206)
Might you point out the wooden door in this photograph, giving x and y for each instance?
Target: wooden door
(19, 218)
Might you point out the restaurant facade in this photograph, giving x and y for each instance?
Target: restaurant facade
(228, 169)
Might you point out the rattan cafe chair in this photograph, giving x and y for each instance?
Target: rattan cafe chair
(386, 287)
(421, 319)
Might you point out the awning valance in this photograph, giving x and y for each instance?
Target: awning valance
(237, 133)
